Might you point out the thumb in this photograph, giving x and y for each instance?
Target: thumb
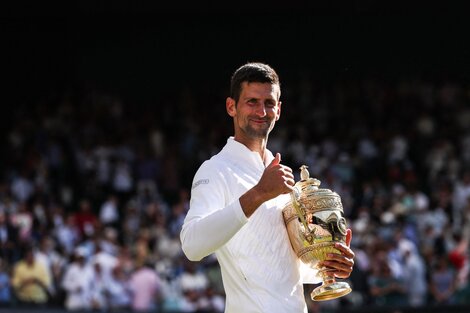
(276, 160)
(348, 237)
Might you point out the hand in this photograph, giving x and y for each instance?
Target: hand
(30, 280)
(276, 179)
(341, 265)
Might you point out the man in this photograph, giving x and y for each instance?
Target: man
(77, 281)
(145, 287)
(8, 238)
(31, 280)
(236, 206)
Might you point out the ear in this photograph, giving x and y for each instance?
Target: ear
(230, 105)
(278, 113)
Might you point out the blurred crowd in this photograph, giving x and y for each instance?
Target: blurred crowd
(94, 189)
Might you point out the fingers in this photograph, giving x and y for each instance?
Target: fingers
(281, 171)
(339, 273)
(339, 259)
(289, 182)
(289, 187)
(345, 250)
(288, 177)
(341, 265)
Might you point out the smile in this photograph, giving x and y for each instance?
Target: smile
(259, 121)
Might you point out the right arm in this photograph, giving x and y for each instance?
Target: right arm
(211, 223)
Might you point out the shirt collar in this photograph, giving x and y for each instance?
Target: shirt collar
(246, 155)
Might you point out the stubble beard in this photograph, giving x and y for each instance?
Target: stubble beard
(260, 133)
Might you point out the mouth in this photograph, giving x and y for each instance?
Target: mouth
(258, 121)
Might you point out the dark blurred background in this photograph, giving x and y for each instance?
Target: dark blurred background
(107, 111)
(134, 48)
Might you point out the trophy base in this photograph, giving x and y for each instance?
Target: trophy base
(330, 291)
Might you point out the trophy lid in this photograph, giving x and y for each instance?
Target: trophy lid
(313, 197)
(306, 182)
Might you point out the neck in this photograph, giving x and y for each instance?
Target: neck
(255, 145)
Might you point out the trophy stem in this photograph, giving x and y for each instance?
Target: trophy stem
(327, 276)
(330, 288)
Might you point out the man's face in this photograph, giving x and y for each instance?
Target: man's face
(29, 257)
(256, 111)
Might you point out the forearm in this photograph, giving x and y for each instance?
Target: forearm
(251, 200)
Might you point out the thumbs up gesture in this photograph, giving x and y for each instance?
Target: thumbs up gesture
(276, 160)
(277, 179)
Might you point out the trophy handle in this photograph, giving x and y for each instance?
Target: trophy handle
(295, 196)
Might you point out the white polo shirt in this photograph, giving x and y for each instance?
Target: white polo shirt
(260, 271)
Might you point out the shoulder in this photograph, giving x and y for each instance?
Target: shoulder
(20, 265)
(209, 171)
(215, 166)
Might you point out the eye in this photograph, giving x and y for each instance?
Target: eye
(252, 101)
(270, 104)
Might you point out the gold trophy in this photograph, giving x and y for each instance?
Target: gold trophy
(315, 221)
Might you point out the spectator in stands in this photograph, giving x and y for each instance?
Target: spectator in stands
(5, 287)
(53, 261)
(145, 286)
(414, 276)
(22, 187)
(192, 279)
(8, 239)
(77, 281)
(443, 281)
(131, 222)
(67, 233)
(86, 219)
(106, 259)
(460, 197)
(194, 284)
(23, 221)
(109, 212)
(31, 281)
(385, 289)
(118, 289)
(98, 289)
(123, 182)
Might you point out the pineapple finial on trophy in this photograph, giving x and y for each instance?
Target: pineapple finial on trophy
(306, 182)
(304, 174)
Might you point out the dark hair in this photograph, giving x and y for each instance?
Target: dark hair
(252, 72)
(26, 248)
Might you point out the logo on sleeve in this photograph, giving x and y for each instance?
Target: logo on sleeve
(200, 182)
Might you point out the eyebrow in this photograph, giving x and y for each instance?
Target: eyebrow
(255, 98)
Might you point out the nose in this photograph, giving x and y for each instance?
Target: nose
(260, 110)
